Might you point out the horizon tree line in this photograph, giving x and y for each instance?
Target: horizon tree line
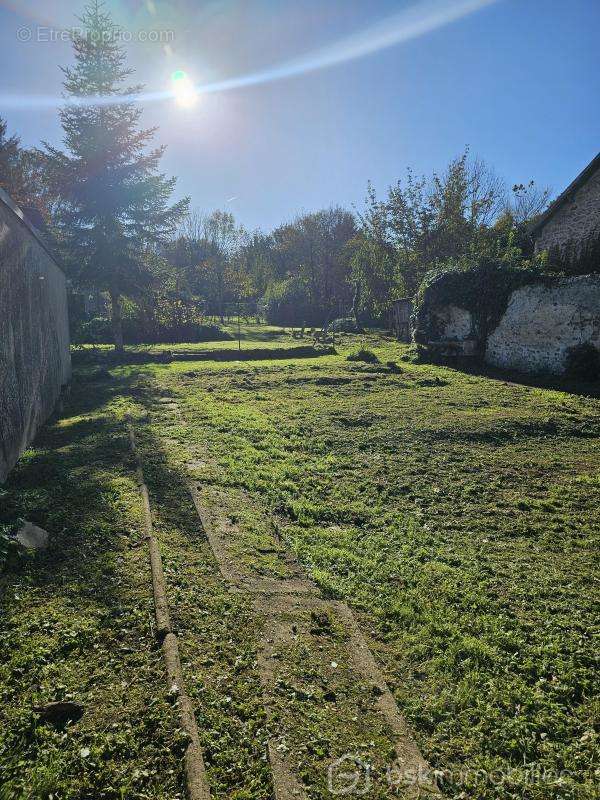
(110, 218)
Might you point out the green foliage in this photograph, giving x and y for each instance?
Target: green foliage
(344, 325)
(23, 178)
(462, 215)
(221, 262)
(114, 208)
(288, 303)
(168, 325)
(96, 330)
(313, 248)
(377, 277)
(11, 171)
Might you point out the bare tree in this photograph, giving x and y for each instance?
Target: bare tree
(485, 193)
(527, 201)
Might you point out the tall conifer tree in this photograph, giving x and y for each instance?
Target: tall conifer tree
(115, 207)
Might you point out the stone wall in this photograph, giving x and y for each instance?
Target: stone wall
(577, 219)
(34, 333)
(542, 322)
(454, 323)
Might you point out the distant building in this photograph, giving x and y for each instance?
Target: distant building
(400, 321)
(573, 219)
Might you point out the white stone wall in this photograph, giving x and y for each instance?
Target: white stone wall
(578, 219)
(34, 333)
(542, 322)
(454, 323)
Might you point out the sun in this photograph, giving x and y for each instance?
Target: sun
(184, 91)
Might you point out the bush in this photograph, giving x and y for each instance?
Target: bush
(288, 303)
(364, 355)
(93, 331)
(172, 333)
(136, 331)
(583, 362)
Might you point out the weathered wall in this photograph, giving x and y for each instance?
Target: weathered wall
(400, 318)
(542, 322)
(34, 333)
(576, 220)
(454, 323)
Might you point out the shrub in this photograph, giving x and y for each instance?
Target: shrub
(288, 303)
(135, 331)
(93, 331)
(583, 362)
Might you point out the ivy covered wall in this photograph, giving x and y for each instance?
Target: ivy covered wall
(512, 318)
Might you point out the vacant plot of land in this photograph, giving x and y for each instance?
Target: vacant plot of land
(456, 514)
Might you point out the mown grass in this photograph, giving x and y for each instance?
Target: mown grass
(458, 513)
(77, 622)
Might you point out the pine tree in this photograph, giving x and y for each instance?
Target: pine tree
(115, 209)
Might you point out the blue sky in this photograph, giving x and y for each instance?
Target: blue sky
(516, 80)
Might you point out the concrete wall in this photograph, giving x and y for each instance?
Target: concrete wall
(541, 323)
(577, 219)
(34, 333)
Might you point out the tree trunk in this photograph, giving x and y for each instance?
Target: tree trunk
(116, 321)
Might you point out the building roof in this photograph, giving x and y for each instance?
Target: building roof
(567, 195)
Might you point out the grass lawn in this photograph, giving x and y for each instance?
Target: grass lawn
(456, 513)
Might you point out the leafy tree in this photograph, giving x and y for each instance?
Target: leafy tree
(288, 303)
(314, 248)
(115, 212)
(458, 216)
(257, 258)
(224, 238)
(11, 175)
(23, 178)
(377, 279)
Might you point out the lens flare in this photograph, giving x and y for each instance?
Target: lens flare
(412, 22)
(184, 91)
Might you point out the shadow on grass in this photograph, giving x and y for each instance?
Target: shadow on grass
(72, 482)
(552, 382)
(109, 358)
(73, 618)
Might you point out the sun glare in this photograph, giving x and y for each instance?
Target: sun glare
(184, 91)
